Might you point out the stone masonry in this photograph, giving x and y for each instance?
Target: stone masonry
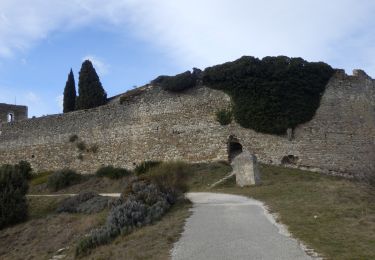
(159, 125)
(12, 113)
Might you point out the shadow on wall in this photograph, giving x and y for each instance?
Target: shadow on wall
(234, 148)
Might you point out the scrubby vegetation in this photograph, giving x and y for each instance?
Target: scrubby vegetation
(13, 188)
(87, 202)
(143, 167)
(112, 172)
(178, 82)
(224, 116)
(272, 94)
(145, 201)
(63, 178)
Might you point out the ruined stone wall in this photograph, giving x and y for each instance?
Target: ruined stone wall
(159, 125)
(18, 112)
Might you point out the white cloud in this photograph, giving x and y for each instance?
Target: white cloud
(101, 67)
(32, 97)
(201, 33)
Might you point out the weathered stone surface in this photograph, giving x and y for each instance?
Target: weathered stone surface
(18, 112)
(159, 125)
(245, 167)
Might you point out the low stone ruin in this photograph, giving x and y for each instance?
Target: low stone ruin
(245, 167)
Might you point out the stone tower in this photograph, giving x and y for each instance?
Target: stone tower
(11, 113)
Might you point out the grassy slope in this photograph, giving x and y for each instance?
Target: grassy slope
(334, 216)
(344, 226)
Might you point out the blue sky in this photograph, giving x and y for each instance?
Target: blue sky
(131, 42)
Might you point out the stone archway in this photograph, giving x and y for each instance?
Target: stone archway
(234, 147)
(10, 117)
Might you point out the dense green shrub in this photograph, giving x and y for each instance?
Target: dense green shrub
(143, 167)
(25, 169)
(13, 189)
(224, 116)
(63, 178)
(272, 94)
(87, 202)
(112, 172)
(177, 83)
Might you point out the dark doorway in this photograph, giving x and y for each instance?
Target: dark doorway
(234, 147)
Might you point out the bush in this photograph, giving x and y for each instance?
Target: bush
(170, 177)
(112, 172)
(87, 202)
(177, 83)
(25, 169)
(13, 189)
(272, 94)
(145, 201)
(224, 116)
(143, 167)
(63, 178)
(144, 205)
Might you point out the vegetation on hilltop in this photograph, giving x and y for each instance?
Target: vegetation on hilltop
(90, 90)
(70, 94)
(179, 82)
(272, 94)
(269, 95)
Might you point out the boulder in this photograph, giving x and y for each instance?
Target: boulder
(245, 167)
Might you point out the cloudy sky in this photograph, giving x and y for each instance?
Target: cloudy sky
(131, 42)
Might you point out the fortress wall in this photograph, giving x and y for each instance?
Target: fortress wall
(158, 125)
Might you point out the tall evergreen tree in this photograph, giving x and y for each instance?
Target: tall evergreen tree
(90, 90)
(70, 94)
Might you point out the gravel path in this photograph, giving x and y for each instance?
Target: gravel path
(226, 226)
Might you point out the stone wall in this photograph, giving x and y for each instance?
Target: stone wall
(157, 125)
(17, 112)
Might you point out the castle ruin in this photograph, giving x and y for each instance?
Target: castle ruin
(153, 124)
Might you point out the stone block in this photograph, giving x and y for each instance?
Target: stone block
(245, 167)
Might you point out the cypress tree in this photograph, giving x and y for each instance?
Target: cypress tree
(90, 90)
(70, 94)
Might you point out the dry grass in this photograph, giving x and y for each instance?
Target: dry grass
(334, 216)
(40, 238)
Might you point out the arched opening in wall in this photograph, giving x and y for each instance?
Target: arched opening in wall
(289, 159)
(10, 117)
(234, 148)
